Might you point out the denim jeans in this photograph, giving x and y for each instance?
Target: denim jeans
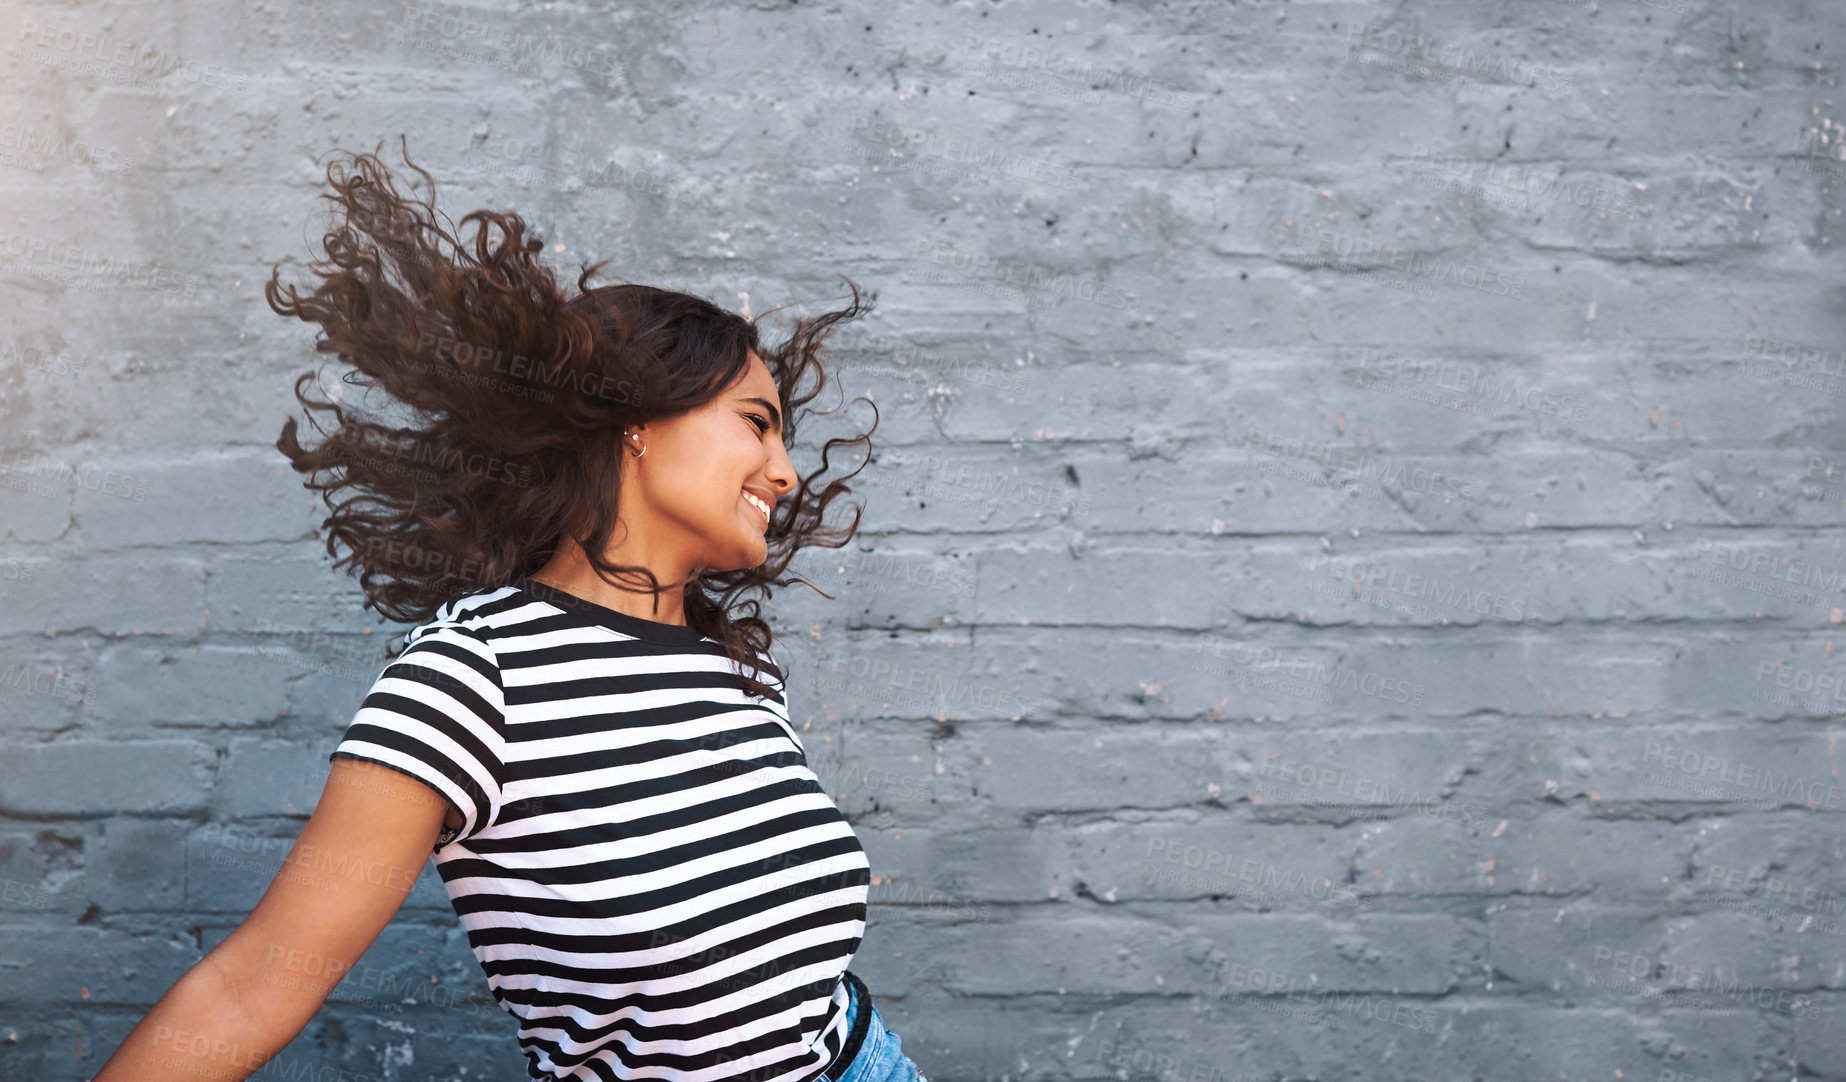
(881, 1055)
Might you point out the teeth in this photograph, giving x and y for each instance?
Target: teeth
(758, 504)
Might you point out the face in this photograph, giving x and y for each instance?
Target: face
(690, 494)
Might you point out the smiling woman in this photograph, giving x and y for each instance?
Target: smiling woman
(704, 499)
(595, 749)
(475, 337)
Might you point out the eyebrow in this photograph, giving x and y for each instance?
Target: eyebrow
(775, 415)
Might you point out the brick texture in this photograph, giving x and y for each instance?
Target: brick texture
(1351, 575)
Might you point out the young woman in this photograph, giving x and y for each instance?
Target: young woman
(584, 727)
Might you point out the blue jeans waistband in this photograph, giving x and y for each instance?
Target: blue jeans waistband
(858, 1024)
(879, 1055)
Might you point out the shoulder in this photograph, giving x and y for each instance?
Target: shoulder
(770, 671)
(452, 655)
(465, 621)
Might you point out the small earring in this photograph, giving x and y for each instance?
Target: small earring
(637, 439)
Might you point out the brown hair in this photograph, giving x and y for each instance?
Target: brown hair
(520, 396)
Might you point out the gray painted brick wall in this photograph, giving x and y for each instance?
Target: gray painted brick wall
(1350, 585)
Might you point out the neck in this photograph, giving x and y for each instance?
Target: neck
(574, 575)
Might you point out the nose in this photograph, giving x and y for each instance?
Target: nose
(780, 472)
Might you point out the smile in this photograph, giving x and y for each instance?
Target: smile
(761, 507)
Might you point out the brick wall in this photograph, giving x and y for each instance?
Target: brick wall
(1349, 583)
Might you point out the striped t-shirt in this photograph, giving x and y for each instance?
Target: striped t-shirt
(653, 880)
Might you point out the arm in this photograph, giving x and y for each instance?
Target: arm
(370, 835)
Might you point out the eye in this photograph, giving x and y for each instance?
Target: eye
(762, 423)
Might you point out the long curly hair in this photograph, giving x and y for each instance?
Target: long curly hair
(519, 397)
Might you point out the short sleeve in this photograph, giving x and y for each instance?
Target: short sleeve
(437, 713)
(778, 703)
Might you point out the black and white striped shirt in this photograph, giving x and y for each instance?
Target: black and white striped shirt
(653, 880)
